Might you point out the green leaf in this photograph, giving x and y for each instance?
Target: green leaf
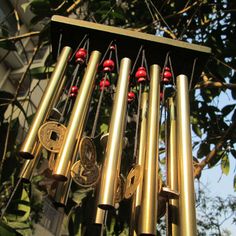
(22, 228)
(216, 159)
(233, 152)
(203, 150)
(23, 210)
(104, 128)
(6, 100)
(197, 130)
(40, 72)
(225, 165)
(78, 197)
(227, 109)
(6, 230)
(8, 45)
(24, 6)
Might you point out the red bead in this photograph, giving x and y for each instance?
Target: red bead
(108, 65)
(141, 74)
(167, 74)
(112, 47)
(131, 96)
(167, 68)
(142, 68)
(80, 55)
(74, 89)
(104, 83)
(73, 95)
(166, 80)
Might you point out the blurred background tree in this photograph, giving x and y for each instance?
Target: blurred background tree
(210, 22)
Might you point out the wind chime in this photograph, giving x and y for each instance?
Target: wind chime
(134, 71)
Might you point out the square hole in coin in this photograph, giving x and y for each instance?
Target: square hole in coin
(54, 136)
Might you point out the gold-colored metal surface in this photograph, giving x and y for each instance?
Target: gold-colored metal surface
(187, 215)
(52, 160)
(77, 119)
(46, 104)
(29, 165)
(172, 168)
(148, 214)
(87, 152)
(62, 192)
(120, 186)
(111, 166)
(136, 201)
(51, 135)
(85, 177)
(132, 181)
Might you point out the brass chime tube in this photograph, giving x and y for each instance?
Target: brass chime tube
(46, 104)
(29, 165)
(62, 192)
(185, 165)
(172, 168)
(111, 166)
(148, 214)
(77, 119)
(137, 197)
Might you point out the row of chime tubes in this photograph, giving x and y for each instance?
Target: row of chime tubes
(108, 66)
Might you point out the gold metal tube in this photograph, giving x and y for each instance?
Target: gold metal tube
(172, 168)
(111, 166)
(148, 214)
(185, 165)
(29, 165)
(45, 105)
(77, 119)
(62, 192)
(137, 197)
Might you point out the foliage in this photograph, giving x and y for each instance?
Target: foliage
(210, 22)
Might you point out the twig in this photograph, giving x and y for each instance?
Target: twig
(73, 6)
(22, 36)
(213, 152)
(211, 84)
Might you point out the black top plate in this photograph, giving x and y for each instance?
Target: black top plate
(128, 43)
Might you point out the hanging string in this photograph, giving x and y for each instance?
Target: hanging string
(136, 59)
(59, 45)
(138, 112)
(98, 108)
(192, 74)
(161, 17)
(116, 58)
(105, 54)
(79, 45)
(172, 71)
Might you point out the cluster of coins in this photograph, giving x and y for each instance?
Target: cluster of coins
(86, 172)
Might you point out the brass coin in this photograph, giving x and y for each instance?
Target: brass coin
(83, 177)
(87, 153)
(51, 135)
(52, 160)
(132, 181)
(119, 194)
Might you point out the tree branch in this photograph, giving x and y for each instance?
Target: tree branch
(22, 36)
(213, 152)
(211, 84)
